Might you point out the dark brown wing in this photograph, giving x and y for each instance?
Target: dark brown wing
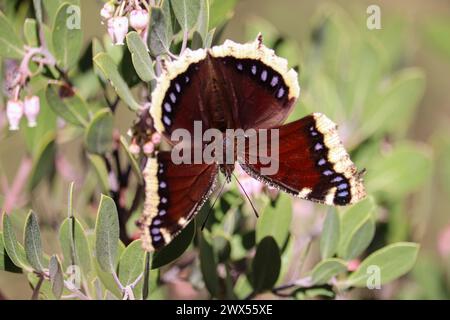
(181, 96)
(174, 194)
(260, 87)
(228, 86)
(312, 163)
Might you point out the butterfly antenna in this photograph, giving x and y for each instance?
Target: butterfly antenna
(214, 203)
(248, 198)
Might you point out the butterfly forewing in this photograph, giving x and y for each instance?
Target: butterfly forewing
(182, 95)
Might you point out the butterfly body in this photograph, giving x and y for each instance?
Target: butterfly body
(247, 90)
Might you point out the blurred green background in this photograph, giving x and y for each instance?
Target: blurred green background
(388, 91)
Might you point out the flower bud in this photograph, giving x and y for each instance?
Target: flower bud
(156, 138)
(139, 19)
(14, 112)
(31, 108)
(148, 148)
(134, 149)
(352, 265)
(119, 29)
(107, 11)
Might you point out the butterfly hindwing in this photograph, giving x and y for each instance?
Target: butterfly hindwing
(174, 194)
(312, 163)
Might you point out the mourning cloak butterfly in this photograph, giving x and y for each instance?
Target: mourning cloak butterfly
(236, 86)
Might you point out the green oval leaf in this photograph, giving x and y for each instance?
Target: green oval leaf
(14, 250)
(360, 239)
(101, 171)
(44, 161)
(276, 221)
(352, 219)
(186, 12)
(32, 243)
(97, 48)
(109, 68)
(208, 264)
(329, 239)
(140, 57)
(11, 46)
(175, 248)
(74, 245)
(56, 276)
(326, 269)
(99, 134)
(6, 263)
(266, 265)
(160, 36)
(131, 263)
(67, 36)
(72, 109)
(107, 234)
(200, 37)
(389, 262)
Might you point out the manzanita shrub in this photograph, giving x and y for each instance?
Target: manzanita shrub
(294, 250)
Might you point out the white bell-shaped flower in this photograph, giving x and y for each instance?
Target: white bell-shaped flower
(32, 107)
(139, 19)
(120, 29)
(14, 112)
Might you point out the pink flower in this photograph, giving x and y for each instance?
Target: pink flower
(14, 112)
(443, 242)
(139, 19)
(352, 265)
(110, 25)
(148, 148)
(118, 29)
(107, 11)
(31, 109)
(156, 138)
(134, 148)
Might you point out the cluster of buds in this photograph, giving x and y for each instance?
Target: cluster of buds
(148, 147)
(144, 138)
(119, 18)
(15, 109)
